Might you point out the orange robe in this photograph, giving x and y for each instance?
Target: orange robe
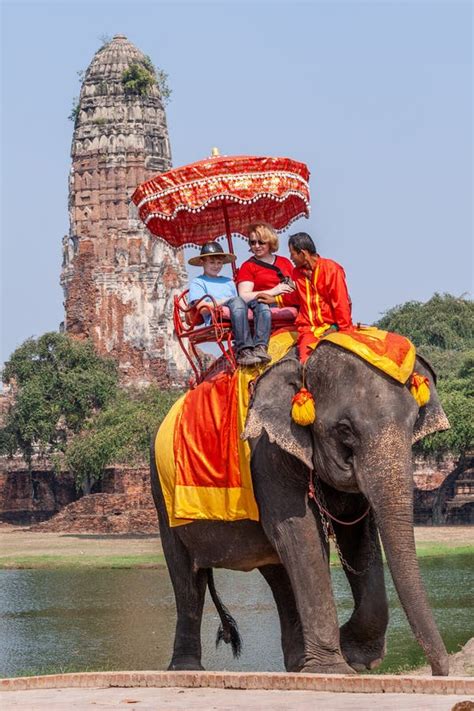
(323, 301)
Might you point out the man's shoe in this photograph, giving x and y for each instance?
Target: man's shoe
(247, 357)
(262, 354)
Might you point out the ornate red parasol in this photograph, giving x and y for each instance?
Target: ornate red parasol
(221, 195)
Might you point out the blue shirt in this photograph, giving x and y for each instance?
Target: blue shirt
(219, 287)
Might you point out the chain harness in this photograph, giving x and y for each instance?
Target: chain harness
(315, 493)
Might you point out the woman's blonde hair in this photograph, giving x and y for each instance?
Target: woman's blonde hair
(265, 232)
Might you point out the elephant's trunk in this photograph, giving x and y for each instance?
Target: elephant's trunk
(388, 484)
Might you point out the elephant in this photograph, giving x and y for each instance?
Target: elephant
(359, 449)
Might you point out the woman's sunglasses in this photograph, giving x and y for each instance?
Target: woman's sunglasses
(253, 242)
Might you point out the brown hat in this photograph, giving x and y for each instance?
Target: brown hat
(212, 249)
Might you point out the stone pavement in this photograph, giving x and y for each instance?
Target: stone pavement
(174, 699)
(235, 690)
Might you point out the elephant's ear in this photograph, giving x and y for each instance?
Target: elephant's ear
(431, 417)
(270, 410)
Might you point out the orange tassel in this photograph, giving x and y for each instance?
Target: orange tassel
(303, 408)
(420, 389)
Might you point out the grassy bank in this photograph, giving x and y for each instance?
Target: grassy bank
(438, 550)
(54, 562)
(25, 550)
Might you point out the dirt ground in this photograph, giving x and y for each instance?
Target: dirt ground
(20, 542)
(448, 535)
(460, 663)
(17, 541)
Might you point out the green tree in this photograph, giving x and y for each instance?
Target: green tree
(445, 322)
(58, 383)
(458, 439)
(456, 392)
(442, 329)
(119, 434)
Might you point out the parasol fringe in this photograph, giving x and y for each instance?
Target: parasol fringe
(180, 247)
(231, 198)
(217, 179)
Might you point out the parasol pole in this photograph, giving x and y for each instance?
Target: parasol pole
(229, 236)
(216, 154)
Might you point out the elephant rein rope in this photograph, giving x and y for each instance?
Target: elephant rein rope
(312, 495)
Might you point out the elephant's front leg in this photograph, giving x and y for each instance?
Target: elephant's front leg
(293, 531)
(291, 633)
(363, 635)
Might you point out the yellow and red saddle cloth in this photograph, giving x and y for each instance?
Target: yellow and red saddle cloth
(204, 465)
(389, 352)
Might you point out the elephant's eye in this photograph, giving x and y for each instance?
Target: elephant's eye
(345, 432)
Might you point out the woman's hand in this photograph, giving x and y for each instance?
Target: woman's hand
(247, 293)
(281, 288)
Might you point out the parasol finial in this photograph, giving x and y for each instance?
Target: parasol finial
(215, 152)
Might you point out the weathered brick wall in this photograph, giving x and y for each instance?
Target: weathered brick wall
(104, 513)
(28, 497)
(132, 481)
(452, 500)
(124, 505)
(122, 501)
(430, 472)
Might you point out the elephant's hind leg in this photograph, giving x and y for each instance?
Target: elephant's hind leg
(189, 590)
(363, 635)
(292, 641)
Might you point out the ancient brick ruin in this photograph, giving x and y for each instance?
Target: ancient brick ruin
(123, 505)
(122, 502)
(118, 282)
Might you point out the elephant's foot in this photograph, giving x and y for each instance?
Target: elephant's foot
(294, 662)
(362, 654)
(313, 667)
(323, 661)
(185, 664)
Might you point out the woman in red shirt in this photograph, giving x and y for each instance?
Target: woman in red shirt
(264, 273)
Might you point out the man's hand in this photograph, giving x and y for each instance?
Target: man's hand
(265, 298)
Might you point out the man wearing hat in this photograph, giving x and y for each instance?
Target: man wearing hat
(212, 258)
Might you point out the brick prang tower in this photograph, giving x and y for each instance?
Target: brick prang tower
(118, 281)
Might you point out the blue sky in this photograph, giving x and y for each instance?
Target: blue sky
(376, 97)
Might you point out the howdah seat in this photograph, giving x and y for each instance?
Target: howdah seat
(192, 331)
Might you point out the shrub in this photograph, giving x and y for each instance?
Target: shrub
(138, 79)
(141, 76)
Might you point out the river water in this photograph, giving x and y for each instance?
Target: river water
(86, 620)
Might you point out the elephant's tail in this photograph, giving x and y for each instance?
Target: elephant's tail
(228, 630)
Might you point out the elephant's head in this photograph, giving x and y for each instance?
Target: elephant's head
(360, 441)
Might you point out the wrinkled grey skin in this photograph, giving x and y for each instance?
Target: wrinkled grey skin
(360, 447)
